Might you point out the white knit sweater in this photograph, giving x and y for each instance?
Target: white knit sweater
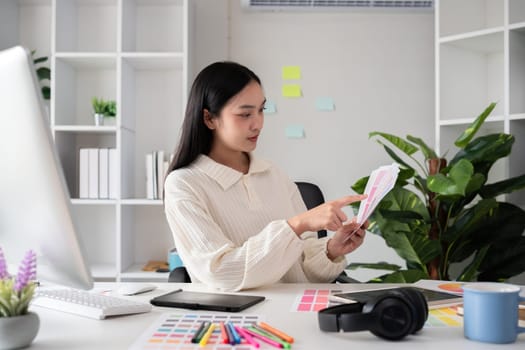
(231, 229)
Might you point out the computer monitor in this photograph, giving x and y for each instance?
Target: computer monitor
(35, 206)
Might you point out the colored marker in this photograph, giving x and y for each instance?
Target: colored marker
(200, 332)
(224, 334)
(263, 338)
(207, 335)
(276, 332)
(247, 336)
(262, 332)
(236, 336)
(231, 339)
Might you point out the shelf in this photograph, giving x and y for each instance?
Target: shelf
(135, 272)
(469, 15)
(77, 201)
(468, 121)
(154, 61)
(471, 76)
(86, 25)
(141, 201)
(520, 116)
(516, 11)
(86, 129)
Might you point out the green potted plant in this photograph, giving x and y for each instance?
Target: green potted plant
(110, 111)
(18, 326)
(43, 73)
(99, 109)
(443, 212)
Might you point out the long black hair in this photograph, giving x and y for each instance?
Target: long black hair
(213, 87)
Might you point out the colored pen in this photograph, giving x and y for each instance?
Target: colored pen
(236, 336)
(231, 339)
(207, 335)
(199, 333)
(268, 335)
(247, 336)
(276, 332)
(224, 335)
(263, 338)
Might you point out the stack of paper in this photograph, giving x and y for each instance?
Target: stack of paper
(380, 182)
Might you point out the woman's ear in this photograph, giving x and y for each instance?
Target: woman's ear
(208, 119)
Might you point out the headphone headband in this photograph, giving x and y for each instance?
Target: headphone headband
(391, 315)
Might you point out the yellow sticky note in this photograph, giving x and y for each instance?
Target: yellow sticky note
(291, 72)
(292, 90)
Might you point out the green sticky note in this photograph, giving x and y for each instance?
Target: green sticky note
(292, 90)
(324, 104)
(269, 107)
(295, 132)
(291, 72)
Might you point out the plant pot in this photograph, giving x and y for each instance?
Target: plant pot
(99, 119)
(111, 121)
(18, 331)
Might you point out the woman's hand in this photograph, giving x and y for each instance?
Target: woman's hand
(347, 239)
(327, 216)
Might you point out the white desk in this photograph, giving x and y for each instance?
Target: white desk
(65, 331)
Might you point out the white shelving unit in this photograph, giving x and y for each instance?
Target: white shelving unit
(480, 58)
(135, 52)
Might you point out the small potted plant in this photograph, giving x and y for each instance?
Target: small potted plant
(99, 108)
(18, 326)
(110, 112)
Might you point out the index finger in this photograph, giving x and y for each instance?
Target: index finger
(350, 199)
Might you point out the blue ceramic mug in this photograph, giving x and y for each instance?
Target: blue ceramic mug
(490, 312)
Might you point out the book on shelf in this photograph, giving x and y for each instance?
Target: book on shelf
(156, 168)
(97, 173)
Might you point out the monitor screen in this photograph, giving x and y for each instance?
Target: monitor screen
(35, 204)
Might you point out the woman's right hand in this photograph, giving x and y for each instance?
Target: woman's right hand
(327, 216)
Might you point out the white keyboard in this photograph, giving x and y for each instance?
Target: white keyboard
(87, 304)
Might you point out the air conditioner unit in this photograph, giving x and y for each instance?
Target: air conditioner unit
(336, 5)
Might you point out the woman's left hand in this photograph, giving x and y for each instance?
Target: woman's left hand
(347, 239)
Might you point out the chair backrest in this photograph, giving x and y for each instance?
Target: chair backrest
(312, 197)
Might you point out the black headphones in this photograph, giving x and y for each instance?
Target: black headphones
(392, 315)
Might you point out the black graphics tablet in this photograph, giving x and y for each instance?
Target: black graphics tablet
(206, 301)
(434, 298)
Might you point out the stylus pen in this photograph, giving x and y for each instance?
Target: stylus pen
(207, 335)
(276, 332)
(236, 336)
(231, 339)
(268, 335)
(263, 338)
(224, 334)
(247, 336)
(200, 332)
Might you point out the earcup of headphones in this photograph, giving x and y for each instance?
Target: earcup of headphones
(394, 318)
(420, 305)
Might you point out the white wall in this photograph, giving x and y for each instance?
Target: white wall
(378, 68)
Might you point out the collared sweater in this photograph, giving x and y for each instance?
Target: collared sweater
(231, 231)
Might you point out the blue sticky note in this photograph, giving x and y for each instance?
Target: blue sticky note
(270, 107)
(324, 104)
(295, 132)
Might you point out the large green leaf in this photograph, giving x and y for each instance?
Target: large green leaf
(394, 156)
(505, 186)
(469, 273)
(455, 183)
(485, 150)
(503, 261)
(403, 276)
(414, 248)
(425, 149)
(401, 144)
(360, 185)
(471, 131)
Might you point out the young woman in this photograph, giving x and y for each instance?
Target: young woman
(238, 221)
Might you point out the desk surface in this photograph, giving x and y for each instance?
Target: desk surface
(60, 330)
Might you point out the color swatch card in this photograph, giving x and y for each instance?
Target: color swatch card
(444, 317)
(174, 331)
(313, 300)
(380, 182)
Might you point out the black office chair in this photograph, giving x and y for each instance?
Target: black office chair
(312, 197)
